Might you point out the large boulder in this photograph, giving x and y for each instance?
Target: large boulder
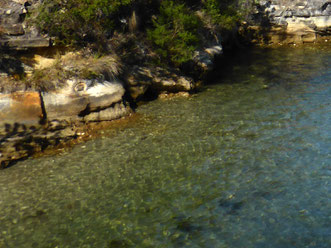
(81, 99)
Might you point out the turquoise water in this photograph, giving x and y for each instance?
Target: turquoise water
(246, 162)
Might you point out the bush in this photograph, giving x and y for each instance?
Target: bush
(173, 28)
(175, 33)
(223, 13)
(77, 22)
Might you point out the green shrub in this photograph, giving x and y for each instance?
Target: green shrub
(223, 13)
(77, 22)
(175, 33)
(173, 30)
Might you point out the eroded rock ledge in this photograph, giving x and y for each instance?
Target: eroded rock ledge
(31, 121)
(277, 22)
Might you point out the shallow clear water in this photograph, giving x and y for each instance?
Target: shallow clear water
(244, 163)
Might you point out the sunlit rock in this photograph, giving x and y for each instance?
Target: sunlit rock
(292, 22)
(81, 98)
(20, 107)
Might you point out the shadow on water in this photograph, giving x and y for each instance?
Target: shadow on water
(267, 63)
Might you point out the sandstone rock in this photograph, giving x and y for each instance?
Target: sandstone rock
(205, 58)
(116, 111)
(157, 79)
(13, 29)
(80, 98)
(14, 32)
(301, 13)
(308, 37)
(277, 13)
(20, 115)
(23, 42)
(288, 13)
(21, 131)
(43, 62)
(20, 107)
(303, 21)
(20, 141)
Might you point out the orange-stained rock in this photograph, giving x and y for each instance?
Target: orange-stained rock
(20, 107)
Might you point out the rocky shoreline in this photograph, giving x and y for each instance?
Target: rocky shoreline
(283, 22)
(34, 119)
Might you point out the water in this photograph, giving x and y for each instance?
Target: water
(244, 163)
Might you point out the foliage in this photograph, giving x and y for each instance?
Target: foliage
(222, 13)
(171, 25)
(175, 32)
(77, 22)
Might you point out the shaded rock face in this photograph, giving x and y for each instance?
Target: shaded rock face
(32, 121)
(299, 21)
(205, 57)
(155, 79)
(14, 31)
